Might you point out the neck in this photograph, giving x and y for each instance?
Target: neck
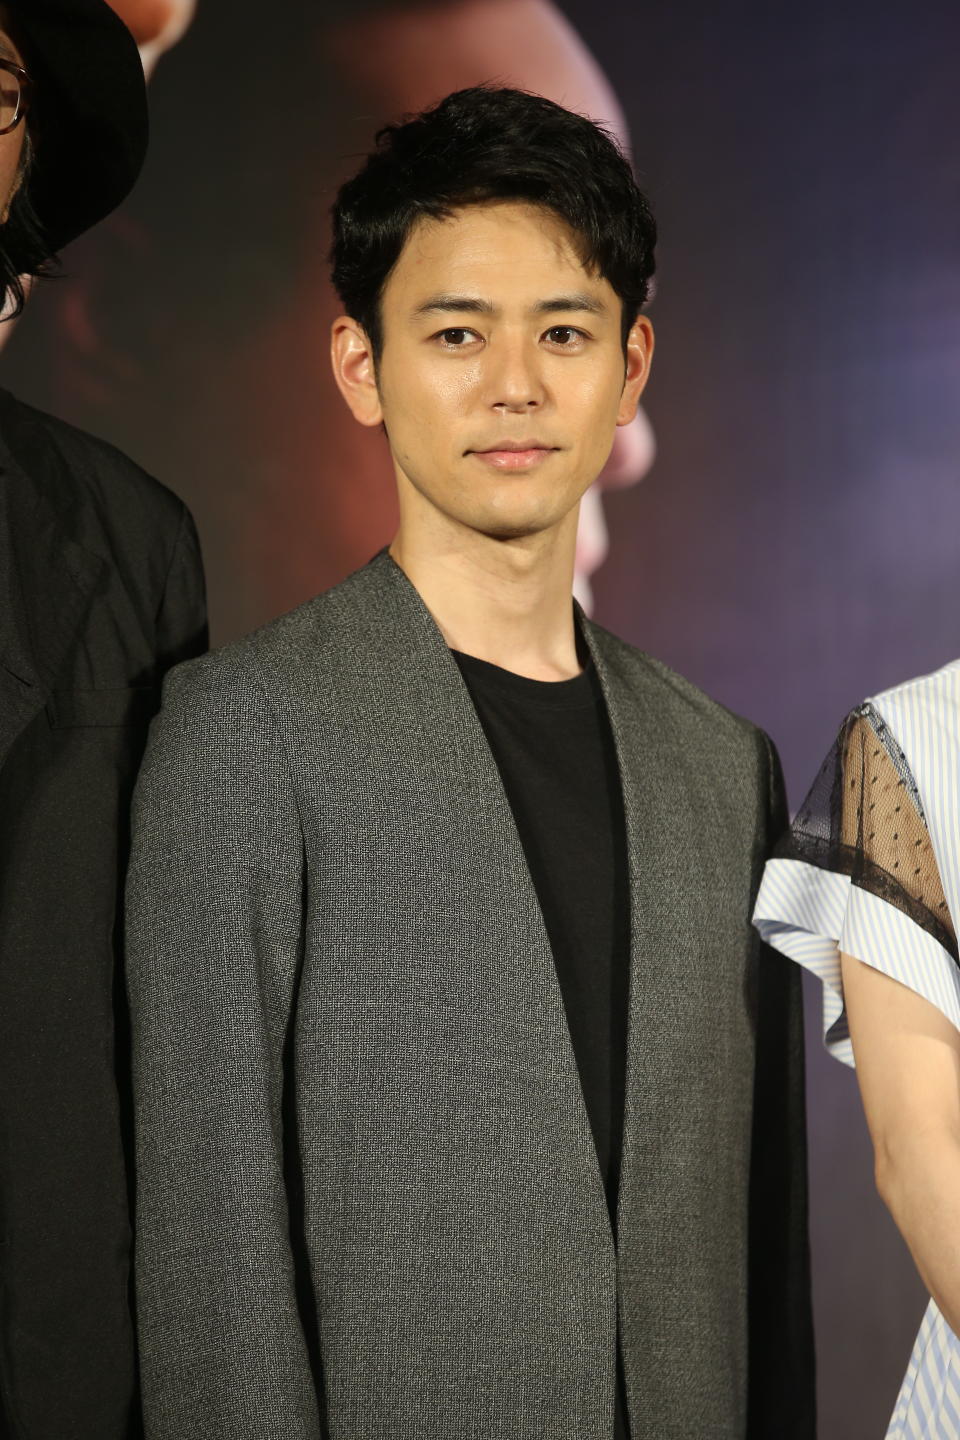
(505, 601)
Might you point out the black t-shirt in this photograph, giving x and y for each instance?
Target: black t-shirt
(554, 749)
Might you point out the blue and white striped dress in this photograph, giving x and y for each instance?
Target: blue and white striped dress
(824, 895)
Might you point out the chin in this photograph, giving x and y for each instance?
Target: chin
(516, 509)
(504, 533)
(513, 527)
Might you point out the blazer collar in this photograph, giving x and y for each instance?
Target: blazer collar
(405, 656)
(47, 582)
(657, 804)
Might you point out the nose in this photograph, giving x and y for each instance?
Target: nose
(515, 382)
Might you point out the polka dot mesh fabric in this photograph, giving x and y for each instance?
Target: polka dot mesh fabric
(864, 818)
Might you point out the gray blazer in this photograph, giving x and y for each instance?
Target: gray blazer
(369, 1204)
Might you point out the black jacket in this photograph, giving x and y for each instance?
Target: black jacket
(101, 590)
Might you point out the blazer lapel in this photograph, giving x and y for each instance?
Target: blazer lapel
(657, 808)
(414, 661)
(683, 1201)
(46, 584)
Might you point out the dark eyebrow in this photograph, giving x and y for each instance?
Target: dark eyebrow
(469, 304)
(457, 303)
(571, 302)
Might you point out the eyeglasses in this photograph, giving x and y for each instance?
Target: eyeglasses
(14, 95)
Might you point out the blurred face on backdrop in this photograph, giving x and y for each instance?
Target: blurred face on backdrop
(502, 378)
(156, 24)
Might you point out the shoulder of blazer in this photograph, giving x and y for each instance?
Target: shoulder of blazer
(687, 704)
(307, 642)
(101, 498)
(718, 742)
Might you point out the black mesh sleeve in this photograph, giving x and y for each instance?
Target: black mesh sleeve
(864, 818)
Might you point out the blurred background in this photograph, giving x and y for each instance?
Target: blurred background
(783, 526)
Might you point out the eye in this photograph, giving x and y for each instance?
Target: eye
(456, 337)
(567, 337)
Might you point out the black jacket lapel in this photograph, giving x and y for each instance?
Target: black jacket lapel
(46, 584)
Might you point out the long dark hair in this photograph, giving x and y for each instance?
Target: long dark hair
(24, 249)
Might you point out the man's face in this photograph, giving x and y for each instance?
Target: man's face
(502, 376)
(11, 144)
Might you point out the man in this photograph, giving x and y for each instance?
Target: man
(464, 1108)
(100, 591)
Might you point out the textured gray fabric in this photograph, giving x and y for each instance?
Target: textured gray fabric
(350, 1051)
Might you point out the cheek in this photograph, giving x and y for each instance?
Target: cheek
(149, 19)
(11, 148)
(448, 386)
(593, 398)
(428, 401)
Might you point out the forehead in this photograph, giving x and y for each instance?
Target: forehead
(497, 249)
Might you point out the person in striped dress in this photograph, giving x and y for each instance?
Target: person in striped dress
(864, 891)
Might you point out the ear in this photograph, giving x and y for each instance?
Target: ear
(351, 356)
(639, 358)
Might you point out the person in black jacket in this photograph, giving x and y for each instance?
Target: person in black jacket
(101, 590)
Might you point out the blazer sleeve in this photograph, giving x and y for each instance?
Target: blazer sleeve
(781, 1364)
(181, 628)
(214, 940)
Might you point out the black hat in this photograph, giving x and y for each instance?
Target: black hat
(88, 111)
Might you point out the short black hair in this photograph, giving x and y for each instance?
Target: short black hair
(488, 144)
(23, 246)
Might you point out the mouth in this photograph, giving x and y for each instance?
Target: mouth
(515, 454)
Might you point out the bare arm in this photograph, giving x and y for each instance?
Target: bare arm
(908, 1065)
